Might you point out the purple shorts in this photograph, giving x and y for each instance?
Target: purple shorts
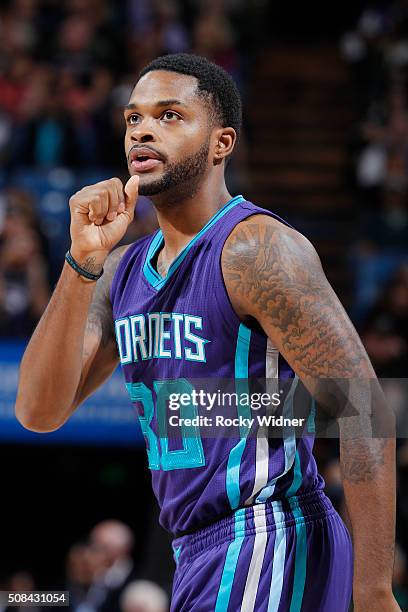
(293, 555)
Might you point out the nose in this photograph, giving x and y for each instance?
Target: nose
(142, 134)
(145, 137)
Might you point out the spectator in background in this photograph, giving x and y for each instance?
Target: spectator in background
(171, 33)
(75, 40)
(364, 49)
(384, 156)
(144, 596)
(382, 172)
(24, 287)
(215, 38)
(18, 31)
(381, 249)
(47, 138)
(386, 230)
(114, 540)
(385, 332)
(20, 581)
(15, 84)
(83, 566)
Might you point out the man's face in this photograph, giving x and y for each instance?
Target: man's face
(168, 133)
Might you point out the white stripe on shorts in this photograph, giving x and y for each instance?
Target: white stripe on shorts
(279, 554)
(255, 567)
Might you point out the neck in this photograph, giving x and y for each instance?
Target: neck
(181, 218)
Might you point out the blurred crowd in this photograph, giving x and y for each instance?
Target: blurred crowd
(376, 51)
(66, 71)
(67, 68)
(377, 54)
(24, 281)
(100, 575)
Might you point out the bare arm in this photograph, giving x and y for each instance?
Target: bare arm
(72, 350)
(100, 356)
(273, 274)
(38, 285)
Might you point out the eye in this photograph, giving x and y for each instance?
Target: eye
(132, 119)
(170, 116)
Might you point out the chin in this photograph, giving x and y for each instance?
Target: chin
(151, 187)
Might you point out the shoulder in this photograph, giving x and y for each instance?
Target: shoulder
(115, 257)
(265, 238)
(264, 261)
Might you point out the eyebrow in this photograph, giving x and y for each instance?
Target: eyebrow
(169, 102)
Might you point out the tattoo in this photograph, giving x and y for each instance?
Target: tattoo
(161, 267)
(90, 266)
(361, 459)
(100, 318)
(98, 323)
(275, 275)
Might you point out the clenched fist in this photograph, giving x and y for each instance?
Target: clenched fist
(100, 215)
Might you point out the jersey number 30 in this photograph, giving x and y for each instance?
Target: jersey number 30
(158, 452)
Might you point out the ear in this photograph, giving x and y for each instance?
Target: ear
(225, 139)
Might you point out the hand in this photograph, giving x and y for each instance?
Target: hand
(376, 602)
(100, 215)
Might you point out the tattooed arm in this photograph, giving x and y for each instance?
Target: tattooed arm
(272, 273)
(72, 350)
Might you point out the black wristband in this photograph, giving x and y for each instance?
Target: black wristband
(75, 265)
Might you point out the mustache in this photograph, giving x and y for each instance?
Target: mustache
(143, 146)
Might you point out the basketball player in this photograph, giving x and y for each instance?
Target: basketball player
(223, 289)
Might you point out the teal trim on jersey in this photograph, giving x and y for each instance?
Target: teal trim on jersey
(242, 352)
(149, 271)
(311, 422)
(241, 386)
(297, 477)
(177, 551)
(232, 480)
(299, 578)
(301, 538)
(151, 274)
(230, 564)
(279, 556)
(297, 470)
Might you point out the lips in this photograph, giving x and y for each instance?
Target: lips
(143, 159)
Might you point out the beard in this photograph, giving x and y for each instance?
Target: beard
(181, 177)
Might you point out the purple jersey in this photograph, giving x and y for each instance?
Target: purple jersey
(181, 327)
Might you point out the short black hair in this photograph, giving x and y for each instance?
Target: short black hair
(213, 82)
